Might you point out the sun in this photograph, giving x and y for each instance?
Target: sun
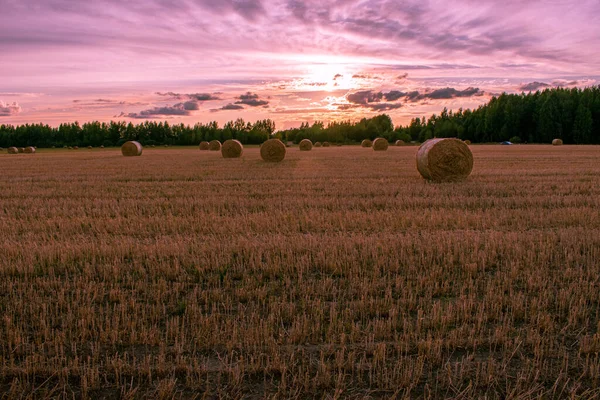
(327, 77)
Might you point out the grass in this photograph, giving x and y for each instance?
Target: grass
(338, 273)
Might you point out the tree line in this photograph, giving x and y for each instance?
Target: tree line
(148, 133)
(572, 115)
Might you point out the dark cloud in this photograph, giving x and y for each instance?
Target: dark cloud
(384, 106)
(190, 96)
(450, 93)
(252, 100)
(530, 87)
(394, 95)
(228, 107)
(364, 97)
(179, 109)
(6, 110)
(337, 76)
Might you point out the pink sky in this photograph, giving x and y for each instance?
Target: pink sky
(288, 60)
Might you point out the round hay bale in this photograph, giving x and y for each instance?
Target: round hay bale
(102, 146)
(214, 145)
(65, 147)
(131, 149)
(400, 143)
(366, 143)
(70, 148)
(21, 150)
(75, 147)
(29, 150)
(380, 144)
(204, 146)
(557, 142)
(13, 150)
(444, 160)
(89, 147)
(326, 144)
(318, 144)
(468, 142)
(273, 150)
(232, 149)
(305, 145)
(166, 145)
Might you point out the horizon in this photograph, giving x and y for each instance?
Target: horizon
(289, 61)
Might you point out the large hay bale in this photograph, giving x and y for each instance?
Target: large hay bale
(204, 146)
(21, 150)
(400, 143)
(273, 150)
(444, 160)
(131, 149)
(326, 144)
(214, 145)
(29, 150)
(232, 149)
(366, 143)
(13, 150)
(318, 144)
(305, 145)
(557, 142)
(380, 144)
(468, 142)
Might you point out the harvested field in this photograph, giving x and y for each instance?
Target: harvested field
(332, 273)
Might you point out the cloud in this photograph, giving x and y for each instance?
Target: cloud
(384, 106)
(337, 76)
(252, 100)
(450, 93)
(530, 87)
(364, 97)
(247, 9)
(7, 109)
(190, 96)
(394, 95)
(228, 107)
(179, 109)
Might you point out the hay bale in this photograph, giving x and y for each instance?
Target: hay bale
(400, 143)
(305, 145)
(380, 144)
(21, 149)
(232, 149)
(273, 150)
(29, 150)
(557, 142)
(131, 149)
(89, 147)
(70, 148)
(366, 143)
(75, 147)
(13, 150)
(204, 146)
(214, 145)
(326, 144)
(102, 146)
(318, 144)
(444, 160)
(468, 142)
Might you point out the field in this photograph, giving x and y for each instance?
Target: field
(338, 273)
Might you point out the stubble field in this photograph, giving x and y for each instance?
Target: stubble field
(338, 273)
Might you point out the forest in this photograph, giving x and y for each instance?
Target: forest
(572, 115)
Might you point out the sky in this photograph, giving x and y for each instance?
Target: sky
(293, 61)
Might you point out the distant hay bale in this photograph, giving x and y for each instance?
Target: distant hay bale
(29, 150)
(366, 143)
(305, 145)
(166, 145)
(444, 160)
(318, 144)
(13, 150)
(326, 144)
(214, 145)
(468, 142)
(273, 150)
(339, 145)
(400, 143)
(21, 150)
(204, 146)
(557, 142)
(131, 149)
(232, 149)
(75, 147)
(70, 148)
(89, 147)
(102, 146)
(380, 144)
